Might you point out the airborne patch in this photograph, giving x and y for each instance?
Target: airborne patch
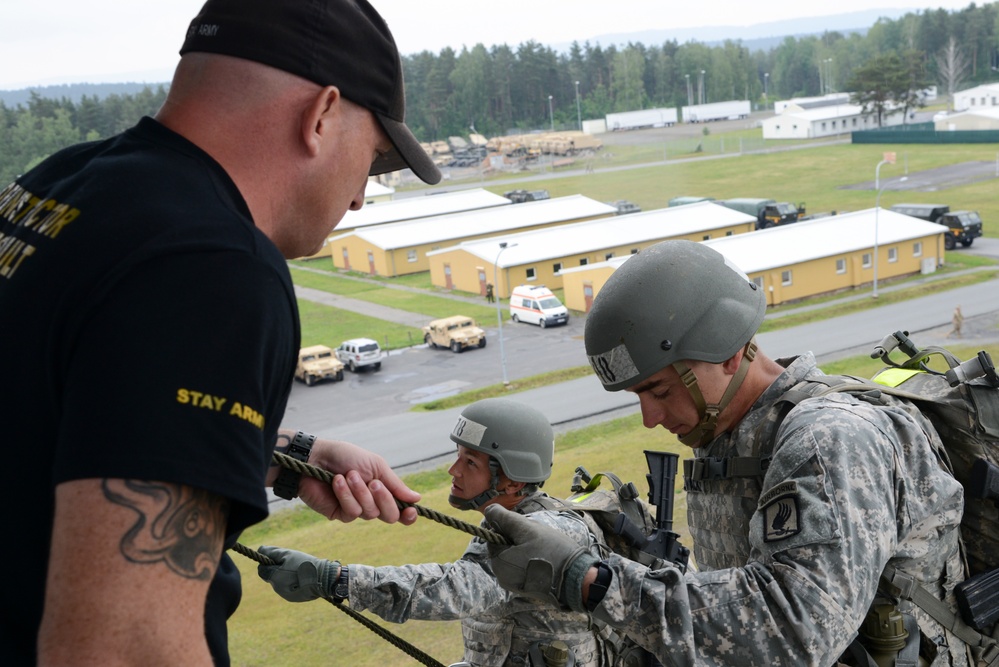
(780, 513)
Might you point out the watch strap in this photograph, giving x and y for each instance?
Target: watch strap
(341, 590)
(599, 586)
(286, 484)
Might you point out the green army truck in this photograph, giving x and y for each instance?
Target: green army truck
(768, 212)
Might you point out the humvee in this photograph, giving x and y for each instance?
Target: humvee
(456, 332)
(317, 362)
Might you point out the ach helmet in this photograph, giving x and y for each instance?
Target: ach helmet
(672, 301)
(519, 439)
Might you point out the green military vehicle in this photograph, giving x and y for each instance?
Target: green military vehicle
(768, 212)
(963, 226)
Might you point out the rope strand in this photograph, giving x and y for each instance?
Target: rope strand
(326, 476)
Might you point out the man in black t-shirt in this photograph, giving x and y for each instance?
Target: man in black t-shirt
(150, 329)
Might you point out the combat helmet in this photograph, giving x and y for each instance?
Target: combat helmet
(674, 301)
(518, 439)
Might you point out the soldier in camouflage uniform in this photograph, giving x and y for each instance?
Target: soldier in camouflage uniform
(505, 452)
(792, 530)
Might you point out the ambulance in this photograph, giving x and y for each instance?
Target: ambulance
(535, 304)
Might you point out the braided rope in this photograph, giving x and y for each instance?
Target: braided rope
(326, 476)
(388, 636)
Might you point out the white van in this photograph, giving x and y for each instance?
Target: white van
(535, 304)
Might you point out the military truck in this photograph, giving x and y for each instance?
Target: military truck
(521, 196)
(963, 226)
(317, 362)
(768, 212)
(683, 201)
(456, 333)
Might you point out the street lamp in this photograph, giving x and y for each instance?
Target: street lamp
(877, 210)
(766, 85)
(690, 92)
(579, 111)
(551, 112)
(701, 97)
(499, 315)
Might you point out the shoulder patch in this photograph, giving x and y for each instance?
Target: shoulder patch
(780, 512)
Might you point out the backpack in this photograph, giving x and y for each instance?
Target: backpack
(962, 403)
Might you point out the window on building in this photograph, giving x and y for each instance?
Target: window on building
(823, 126)
(634, 251)
(854, 122)
(531, 274)
(729, 233)
(785, 277)
(411, 256)
(840, 266)
(917, 249)
(892, 254)
(557, 268)
(867, 262)
(608, 256)
(583, 261)
(706, 237)
(758, 281)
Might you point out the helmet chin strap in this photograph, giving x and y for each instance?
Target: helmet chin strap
(704, 432)
(481, 499)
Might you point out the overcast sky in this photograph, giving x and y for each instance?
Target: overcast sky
(47, 42)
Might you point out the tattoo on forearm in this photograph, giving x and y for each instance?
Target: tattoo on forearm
(178, 525)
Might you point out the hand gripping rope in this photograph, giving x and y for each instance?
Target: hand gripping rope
(326, 476)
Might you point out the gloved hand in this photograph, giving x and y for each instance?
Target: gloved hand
(542, 563)
(299, 577)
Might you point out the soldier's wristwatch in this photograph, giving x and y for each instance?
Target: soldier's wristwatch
(341, 589)
(598, 589)
(286, 484)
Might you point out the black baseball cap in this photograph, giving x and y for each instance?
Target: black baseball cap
(342, 43)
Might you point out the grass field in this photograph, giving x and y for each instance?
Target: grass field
(266, 630)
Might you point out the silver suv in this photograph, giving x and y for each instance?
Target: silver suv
(360, 352)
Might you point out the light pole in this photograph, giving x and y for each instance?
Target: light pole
(766, 87)
(499, 315)
(579, 110)
(877, 210)
(701, 98)
(551, 112)
(690, 92)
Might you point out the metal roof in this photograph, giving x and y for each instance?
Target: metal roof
(830, 236)
(411, 208)
(820, 113)
(497, 219)
(823, 237)
(596, 235)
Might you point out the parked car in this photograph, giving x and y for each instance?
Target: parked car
(360, 352)
(456, 332)
(317, 362)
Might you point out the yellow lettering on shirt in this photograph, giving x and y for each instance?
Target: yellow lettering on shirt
(200, 399)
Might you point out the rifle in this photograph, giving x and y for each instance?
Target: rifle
(663, 543)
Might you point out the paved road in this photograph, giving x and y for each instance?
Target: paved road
(372, 408)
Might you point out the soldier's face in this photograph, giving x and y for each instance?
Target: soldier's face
(665, 400)
(470, 474)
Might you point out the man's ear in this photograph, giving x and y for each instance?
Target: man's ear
(731, 365)
(513, 487)
(318, 116)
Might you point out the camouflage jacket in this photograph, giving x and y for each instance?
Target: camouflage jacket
(498, 628)
(790, 560)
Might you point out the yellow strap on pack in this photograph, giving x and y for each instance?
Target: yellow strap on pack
(893, 377)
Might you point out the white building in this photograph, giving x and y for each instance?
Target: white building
(812, 102)
(798, 123)
(986, 95)
(978, 118)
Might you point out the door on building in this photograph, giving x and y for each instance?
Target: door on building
(371, 263)
(482, 280)
(346, 259)
(588, 295)
(447, 277)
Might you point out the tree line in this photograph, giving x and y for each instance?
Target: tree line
(503, 89)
